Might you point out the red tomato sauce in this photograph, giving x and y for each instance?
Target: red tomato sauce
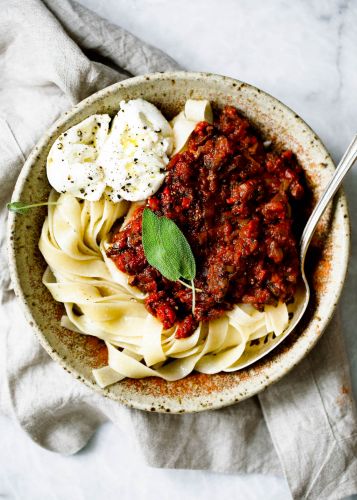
(237, 203)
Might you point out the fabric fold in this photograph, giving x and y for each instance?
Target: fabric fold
(316, 399)
(53, 54)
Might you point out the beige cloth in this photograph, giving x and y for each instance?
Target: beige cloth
(52, 55)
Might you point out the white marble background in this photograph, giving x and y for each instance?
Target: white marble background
(303, 52)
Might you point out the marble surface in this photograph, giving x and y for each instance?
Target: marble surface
(304, 53)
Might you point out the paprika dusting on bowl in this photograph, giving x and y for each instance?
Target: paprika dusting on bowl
(237, 203)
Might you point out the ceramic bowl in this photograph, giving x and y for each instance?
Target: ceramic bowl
(77, 353)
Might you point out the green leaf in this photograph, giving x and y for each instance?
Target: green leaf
(166, 247)
(22, 208)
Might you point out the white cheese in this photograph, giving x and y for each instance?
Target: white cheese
(136, 152)
(72, 161)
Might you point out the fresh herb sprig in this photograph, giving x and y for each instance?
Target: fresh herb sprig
(167, 249)
(22, 208)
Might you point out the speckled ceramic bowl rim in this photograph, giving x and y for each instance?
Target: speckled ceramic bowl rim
(230, 397)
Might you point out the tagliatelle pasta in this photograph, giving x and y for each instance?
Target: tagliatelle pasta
(99, 301)
(184, 123)
(198, 110)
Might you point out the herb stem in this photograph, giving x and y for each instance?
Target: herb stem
(193, 297)
(191, 287)
(21, 208)
(41, 204)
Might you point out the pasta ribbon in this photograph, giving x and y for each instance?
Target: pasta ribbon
(185, 122)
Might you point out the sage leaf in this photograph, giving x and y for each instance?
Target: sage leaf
(166, 247)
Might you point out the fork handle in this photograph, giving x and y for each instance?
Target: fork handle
(343, 167)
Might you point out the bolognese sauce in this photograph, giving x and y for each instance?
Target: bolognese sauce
(236, 202)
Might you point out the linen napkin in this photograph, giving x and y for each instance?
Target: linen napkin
(53, 54)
